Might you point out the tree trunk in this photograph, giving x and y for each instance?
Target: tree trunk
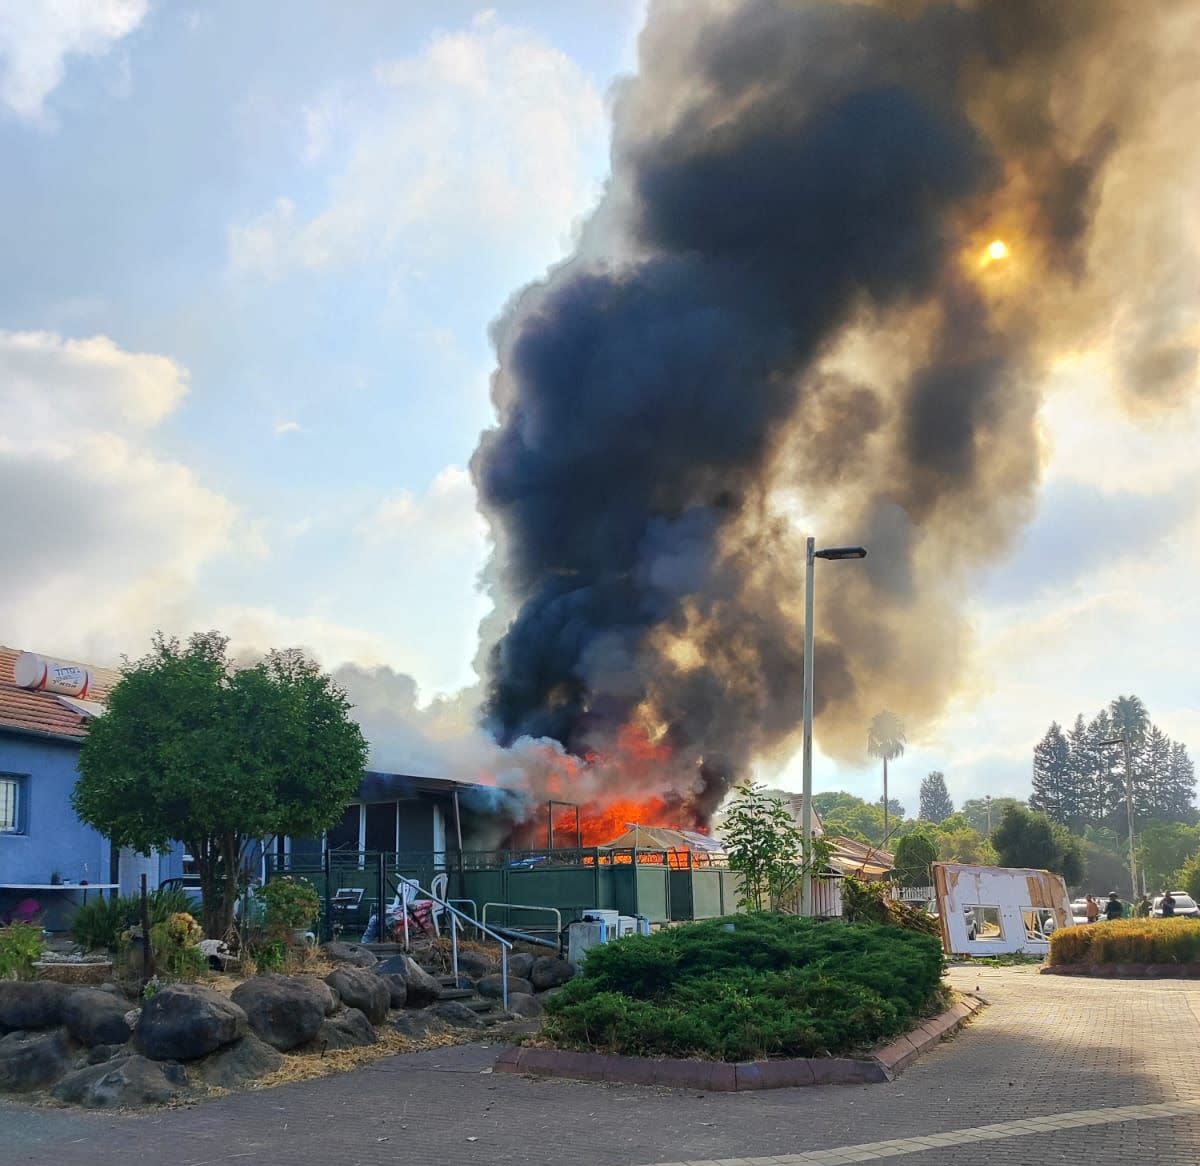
(218, 862)
(885, 803)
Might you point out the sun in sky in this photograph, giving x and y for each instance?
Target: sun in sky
(996, 251)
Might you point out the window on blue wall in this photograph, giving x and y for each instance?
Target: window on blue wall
(12, 811)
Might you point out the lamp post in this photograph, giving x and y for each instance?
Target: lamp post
(1123, 739)
(987, 798)
(810, 557)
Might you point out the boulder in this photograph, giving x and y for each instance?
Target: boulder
(244, 1060)
(95, 1017)
(418, 1023)
(285, 1011)
(184, 1022)
(550, 972)
(348, 1030)
(455, 1012)
(350, 953)
(492, 986)
(520, 964)
(523, 1005)
(362, 989)
(475, 965)
(421, 988)
(27, 1004)
(398, 990)
(33, 1062)
(129, 1081)
(98, 1054)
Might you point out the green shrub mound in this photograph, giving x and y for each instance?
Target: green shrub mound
(773, 986)
(1128, 941)
(98, 924)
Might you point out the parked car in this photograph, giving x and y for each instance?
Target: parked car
(1185, 906)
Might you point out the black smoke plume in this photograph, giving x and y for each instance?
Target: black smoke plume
(784, 314)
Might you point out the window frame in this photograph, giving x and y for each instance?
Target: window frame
(20, 783)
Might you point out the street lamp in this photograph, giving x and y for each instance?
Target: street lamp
(1123, 739)
(810, 558)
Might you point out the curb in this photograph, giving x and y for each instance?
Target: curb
(1127, 971)
(884, 1064)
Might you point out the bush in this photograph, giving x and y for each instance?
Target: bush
(773, 986)
(872, 903)
(98, 925)
(173, 943)
(288, 905)
(20, 947)
(1128, 941)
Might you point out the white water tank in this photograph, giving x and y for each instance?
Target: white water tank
(44, 675)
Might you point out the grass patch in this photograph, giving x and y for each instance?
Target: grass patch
(1127, 941)
(774, 986)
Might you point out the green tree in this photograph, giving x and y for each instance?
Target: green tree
(1187, 878)
(936, 805)
(975, 810)
(962, 844)
(886, 741)
(765, 847)
(191, 749)
(1163, 847)
(845, 814)
(914, 853)
(1027, 838)
(1053, 785)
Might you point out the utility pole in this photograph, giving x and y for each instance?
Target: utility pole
(987, 798)
(1124, 741)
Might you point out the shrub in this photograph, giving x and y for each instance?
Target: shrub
(872, 903)
(98, 925)
(20, 947)
(173, 943)
(288, 905)
(1128, 941)
(774, 985)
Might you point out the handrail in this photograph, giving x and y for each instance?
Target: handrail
(527, 907)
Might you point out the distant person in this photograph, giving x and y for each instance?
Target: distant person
(1114, 908)
(1144, 908)
(1167, 906)
(1092, 909)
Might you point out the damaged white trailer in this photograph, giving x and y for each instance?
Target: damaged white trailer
(993, 910)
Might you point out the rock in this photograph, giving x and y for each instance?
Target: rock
(418, 1023)
(350, 953)
(455, 1012)
(492, 987)
(398, 988)
(98, 1054)
(127, 1082)
(523, 1005)
(476, 965)
(285, 1011)
(362, 989)
(31, 1004)
(183, 1022)
(244, 1060)
(33, 1062)
(549, 972)
(94, 1017)
(520, 964)
(349, 1030)
(420, 986)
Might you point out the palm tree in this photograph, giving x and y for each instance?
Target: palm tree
(885, 739)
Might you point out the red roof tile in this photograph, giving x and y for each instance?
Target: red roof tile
(44, 712)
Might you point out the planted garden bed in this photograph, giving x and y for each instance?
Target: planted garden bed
(1127, 949)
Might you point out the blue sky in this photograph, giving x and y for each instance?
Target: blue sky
(250, 267)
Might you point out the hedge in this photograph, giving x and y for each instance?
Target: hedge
(1128, 941)
(774, 985)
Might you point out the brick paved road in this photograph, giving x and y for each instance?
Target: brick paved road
(1047, 1047)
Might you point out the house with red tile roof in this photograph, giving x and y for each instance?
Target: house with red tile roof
(47, 855)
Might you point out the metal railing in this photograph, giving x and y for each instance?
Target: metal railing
(558, 924)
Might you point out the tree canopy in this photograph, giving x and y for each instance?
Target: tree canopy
(936, 805)
(914, 854)
(1030, 839)
(194, 750)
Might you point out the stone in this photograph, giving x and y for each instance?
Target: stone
(520, 964)
(348, 1030)
(549, 972)
(98, 1054)
(420, 986)
(350, 953)
(492, 986)
(31, 1004)
(398, 988)
(418, 1023)
(524, 1005)
(455, 1012)
(33, 1062)
(362, 989)
(94, 1017)
(475, 965)
(244, 1060)
(131, 1081)
(183, 1022)
(285, 1011)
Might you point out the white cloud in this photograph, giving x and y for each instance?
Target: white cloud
(285, 427)
(443, 517)
(484, 136)
(37, 37)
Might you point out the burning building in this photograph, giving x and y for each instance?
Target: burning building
(840, 246)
